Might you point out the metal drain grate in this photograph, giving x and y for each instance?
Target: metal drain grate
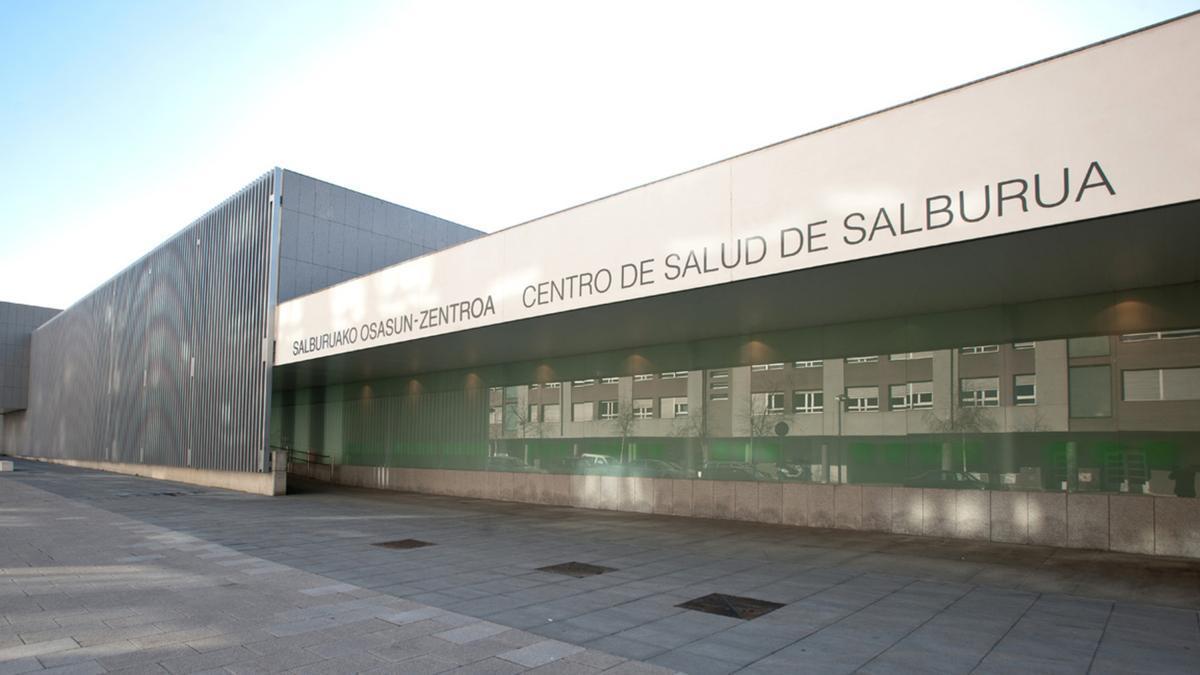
(731, 605)
(403, 543)
(576, 569)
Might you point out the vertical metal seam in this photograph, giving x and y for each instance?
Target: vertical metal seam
(272, 281)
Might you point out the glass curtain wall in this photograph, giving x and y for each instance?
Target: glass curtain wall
(1103, 413)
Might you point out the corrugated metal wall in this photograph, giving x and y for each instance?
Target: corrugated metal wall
(167, 363)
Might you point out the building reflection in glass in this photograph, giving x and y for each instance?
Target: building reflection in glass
(1107, 413)
(1117, 414)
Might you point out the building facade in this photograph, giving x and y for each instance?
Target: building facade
(972, 315)
(169, 363)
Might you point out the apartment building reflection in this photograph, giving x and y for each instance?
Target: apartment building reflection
(1109, 413)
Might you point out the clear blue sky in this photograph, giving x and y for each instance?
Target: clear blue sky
(120, 122)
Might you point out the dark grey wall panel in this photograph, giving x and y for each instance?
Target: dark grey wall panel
(17, 323)
(167, 363)
(330, 234)
(14, 433)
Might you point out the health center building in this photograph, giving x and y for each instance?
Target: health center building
(973, 315)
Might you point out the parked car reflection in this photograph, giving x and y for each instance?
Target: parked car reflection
(512, 464)
(645, 468)
(956, 480)
(732, 471)
(655, 468)
(794, 472)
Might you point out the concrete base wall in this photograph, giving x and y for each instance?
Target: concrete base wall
(270, 484)
(1168, 526)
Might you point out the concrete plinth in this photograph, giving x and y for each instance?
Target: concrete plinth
(907, 510)
(1177, 526)
(745, 500)
(268, 483)
(794, 498)
(635, 494)
(848, 507)
(939, 513)
(822, 509)
(973, 514)
(1010, 517)
(770, 503)
(664, 495)
(877, 508)
(1047, 518)
(1129, 523)
(1087, 521)
(681, 497)
(722, 499)
(702, 499)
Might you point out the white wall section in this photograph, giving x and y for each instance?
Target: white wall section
(1105, 130)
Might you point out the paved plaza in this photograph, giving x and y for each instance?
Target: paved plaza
(108, 573)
